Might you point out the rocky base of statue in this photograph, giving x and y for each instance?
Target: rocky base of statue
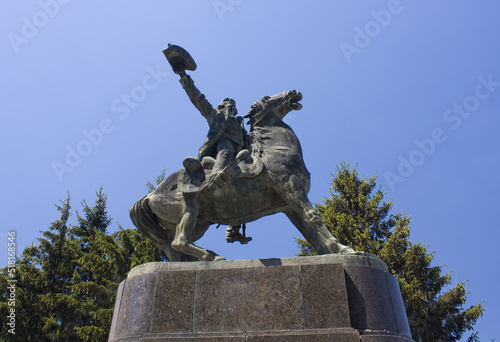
(322, 298)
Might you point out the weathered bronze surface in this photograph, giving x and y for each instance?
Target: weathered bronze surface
(236, 178)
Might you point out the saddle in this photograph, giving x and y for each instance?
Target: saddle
(194, 176)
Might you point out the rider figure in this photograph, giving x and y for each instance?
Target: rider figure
(226, 136)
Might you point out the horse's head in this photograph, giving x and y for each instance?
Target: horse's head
(280, 105)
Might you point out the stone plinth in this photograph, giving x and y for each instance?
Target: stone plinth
(345, 298)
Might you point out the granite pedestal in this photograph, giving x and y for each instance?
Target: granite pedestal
(345, 298)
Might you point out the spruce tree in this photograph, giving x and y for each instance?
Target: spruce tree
(67, 283)
(136, 249)
(356, 214)
(43, 275)
(100, 266)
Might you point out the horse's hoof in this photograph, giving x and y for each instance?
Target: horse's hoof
(346, 250)
(219, 258)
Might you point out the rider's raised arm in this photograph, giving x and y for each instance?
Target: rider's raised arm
(197, 98)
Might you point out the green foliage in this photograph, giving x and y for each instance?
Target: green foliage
(136, 249)
(151, 187)
(67, 283)
(357, 216)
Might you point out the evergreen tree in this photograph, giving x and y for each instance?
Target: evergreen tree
(357, 216)
(67, 283)
(136, 249)
(43, 274)
(100, 267)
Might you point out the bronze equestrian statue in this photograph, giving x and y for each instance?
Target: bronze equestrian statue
(237, 178)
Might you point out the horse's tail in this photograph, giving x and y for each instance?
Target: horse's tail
(147, 223)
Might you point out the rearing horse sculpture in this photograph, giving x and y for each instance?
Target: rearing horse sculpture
(173, 219)
(268, 177)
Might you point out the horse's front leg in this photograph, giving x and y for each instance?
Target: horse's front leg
(307, 220)
(183, 241)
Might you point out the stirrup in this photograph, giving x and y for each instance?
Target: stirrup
(233, 234)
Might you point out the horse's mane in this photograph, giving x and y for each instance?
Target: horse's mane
(256, 146)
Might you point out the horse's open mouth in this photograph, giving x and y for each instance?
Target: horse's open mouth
(294, 101)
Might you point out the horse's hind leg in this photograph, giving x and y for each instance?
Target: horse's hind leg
(149, 226)
(166, 246)
(307, 220)
(183, 241)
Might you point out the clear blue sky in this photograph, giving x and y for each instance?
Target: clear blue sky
(409, 90)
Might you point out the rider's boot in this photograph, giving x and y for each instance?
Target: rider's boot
(218, 179)
(233, 234)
